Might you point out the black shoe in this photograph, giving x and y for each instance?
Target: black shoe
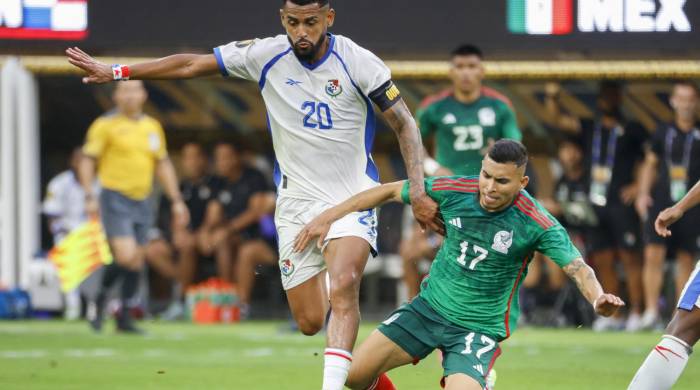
(126, 325)
(96, 323)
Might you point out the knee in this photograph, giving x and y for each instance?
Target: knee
(309, 326)
(354, 381)
(343, 291)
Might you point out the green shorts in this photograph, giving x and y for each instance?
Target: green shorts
(418, 330)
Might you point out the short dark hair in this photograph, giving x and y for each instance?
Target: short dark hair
(321, 3)
(687, 83)
(467, 50)
(508, 151)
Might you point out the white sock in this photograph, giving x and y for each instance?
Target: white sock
(663, 366)
(335, 370)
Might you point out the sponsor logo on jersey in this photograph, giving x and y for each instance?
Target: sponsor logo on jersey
(246, 43)
(479, 368)
(456, 222)
(502, 241)
(292, 82)
(225, 197)
(393, 92)
(286, 267)
(333, 88)
(154, 142)
(449, 119)
(487, 117)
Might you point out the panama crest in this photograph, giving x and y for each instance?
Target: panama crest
(286, 267)
(333, 88)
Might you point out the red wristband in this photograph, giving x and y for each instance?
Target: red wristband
(120, 72)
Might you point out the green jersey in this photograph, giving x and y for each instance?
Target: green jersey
(476, 274)
(463, 131)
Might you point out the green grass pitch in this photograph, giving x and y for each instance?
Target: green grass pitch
(257, 355)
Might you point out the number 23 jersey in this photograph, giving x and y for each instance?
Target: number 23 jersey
(321, 119)
(477, 272)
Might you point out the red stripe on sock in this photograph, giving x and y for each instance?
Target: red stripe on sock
(339, 354)
(661, 349)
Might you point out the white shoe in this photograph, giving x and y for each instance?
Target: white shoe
(174, 312)
(604, 324)
(634, 323)
(491, 380)
(650, 320)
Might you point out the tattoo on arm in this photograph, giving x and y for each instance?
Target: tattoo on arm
(401, 121)
(586, 282)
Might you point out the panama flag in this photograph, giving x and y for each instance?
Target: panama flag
(44, 19)
(540, 17)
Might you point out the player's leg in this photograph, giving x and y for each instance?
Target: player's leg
(684, 268)
(159, 256)
(371, 359)
(654, 259)
(666, 362)
(411, 256)
(346, 258)
(250, 255)
(308, 303)
(462, 382)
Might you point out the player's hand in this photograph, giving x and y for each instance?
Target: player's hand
(665, 219)
(318, 227)
(97, 72)
(628, 194)
(92, 207)
(181, 215)
(427, 214)
(642, 204)
(607, 304)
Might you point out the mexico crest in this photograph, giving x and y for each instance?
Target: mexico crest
(502, 241)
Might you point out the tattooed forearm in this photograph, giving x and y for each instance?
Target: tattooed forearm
(401, 121)
(585, 279)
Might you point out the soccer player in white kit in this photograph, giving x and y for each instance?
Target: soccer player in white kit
(318, 89)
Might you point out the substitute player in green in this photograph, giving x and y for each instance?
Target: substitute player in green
(457, 125)
(469, 302)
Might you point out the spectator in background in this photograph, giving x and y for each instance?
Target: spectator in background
(198, 188)
(613, 147)
(128, 148)
(570, 205)
(64, 206)
(232, 219)
(461, 123)
(671, 165)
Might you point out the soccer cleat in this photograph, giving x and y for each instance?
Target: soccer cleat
(634, 323)
(126, 325)
(605, 324)
(650, 320)
(174, 312)
(98, 318)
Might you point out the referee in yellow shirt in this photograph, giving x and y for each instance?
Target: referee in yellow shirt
(128, 149)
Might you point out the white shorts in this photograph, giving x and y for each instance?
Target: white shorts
(291, 215)
(690, 296)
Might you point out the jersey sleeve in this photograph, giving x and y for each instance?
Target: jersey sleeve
(96, 139)
(240, 59)
(161, 151)
(425, 121)
(556, 244)
(509, 124)
(439, 188)
(656, 142)
(369, 72)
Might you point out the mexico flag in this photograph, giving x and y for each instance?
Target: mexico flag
(541, 17)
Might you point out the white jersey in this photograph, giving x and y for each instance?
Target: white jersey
(321, 119)
(65, 204)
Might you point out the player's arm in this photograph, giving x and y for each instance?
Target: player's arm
(586, 281)
(178, 66)
(365, 200)
(647, 175)
(675, 212)
(401, 121)
(168, 179)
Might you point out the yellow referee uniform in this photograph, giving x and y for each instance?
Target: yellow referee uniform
(127, 151)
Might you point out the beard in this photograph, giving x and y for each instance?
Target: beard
(309, 53)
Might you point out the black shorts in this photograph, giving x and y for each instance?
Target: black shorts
(618, 228)
(685, 232)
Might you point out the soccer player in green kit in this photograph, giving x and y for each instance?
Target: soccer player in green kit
(458, 125)
(469, 302)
